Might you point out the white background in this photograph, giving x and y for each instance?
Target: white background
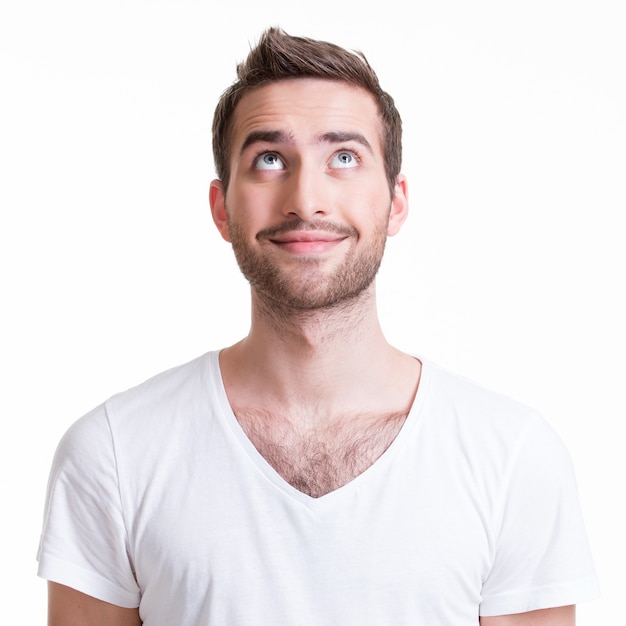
(510, 269)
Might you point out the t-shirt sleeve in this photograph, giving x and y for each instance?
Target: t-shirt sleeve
(84, 542)
(541, 554)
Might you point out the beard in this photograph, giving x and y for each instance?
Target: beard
(304, 284)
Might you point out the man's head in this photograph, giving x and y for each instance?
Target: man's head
(279, 56)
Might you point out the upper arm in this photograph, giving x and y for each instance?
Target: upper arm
(558, 616)
(68, 607)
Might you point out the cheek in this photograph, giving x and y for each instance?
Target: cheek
(256, 207)
(243, 215)
(370, 207)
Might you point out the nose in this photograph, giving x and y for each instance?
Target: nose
(306, 195)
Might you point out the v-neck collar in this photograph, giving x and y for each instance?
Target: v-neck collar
(227, 415)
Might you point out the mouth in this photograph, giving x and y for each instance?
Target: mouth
(307, 242)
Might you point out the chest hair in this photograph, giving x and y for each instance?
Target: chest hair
(319, 460)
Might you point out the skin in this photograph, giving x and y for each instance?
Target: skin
(308, 199)
(558, 616)
(68, 607)
(320, 359)
(293, 170)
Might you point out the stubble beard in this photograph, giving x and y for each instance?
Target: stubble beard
(304, 285)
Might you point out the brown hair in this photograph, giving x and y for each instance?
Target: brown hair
(279, 56)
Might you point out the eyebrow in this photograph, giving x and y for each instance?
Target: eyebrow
(266, 136)
(279, 136)
(342, 137)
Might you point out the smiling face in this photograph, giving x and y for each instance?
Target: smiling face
(308, 208)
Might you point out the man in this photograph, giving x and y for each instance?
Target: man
(311, 474)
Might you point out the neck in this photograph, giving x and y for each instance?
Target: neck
(335, 358)
(317, 333)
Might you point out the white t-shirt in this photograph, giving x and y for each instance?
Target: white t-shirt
(158, 499)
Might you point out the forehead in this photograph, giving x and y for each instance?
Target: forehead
(305, 108)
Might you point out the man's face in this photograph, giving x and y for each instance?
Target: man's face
(308, 207)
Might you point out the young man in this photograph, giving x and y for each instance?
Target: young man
(311, 474)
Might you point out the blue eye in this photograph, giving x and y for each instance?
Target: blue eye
(269, 161)
(344, 159)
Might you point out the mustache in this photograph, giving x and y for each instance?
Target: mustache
(302, 225)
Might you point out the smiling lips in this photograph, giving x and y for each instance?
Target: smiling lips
(307, 242)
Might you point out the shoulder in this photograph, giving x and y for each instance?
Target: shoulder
(487, 423)
(179, 390)
(474, 402)
(171, 385)
(138, 410)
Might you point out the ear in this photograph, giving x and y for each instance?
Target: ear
(218, 208)
(399, 205)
